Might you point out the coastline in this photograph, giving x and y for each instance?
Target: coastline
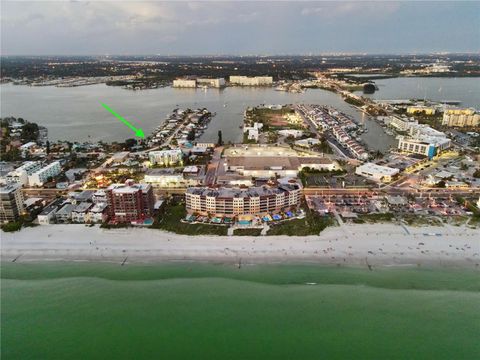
(363, 245)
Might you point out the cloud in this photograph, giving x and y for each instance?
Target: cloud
(357, 8)
(93, 27)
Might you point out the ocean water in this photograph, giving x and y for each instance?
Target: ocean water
(208, 311)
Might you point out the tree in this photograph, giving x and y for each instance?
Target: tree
(48, 147)
(220, 140)
(191, 135)
(476, 174)
(29, 132)
(129, 143)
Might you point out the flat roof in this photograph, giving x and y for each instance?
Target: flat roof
(227, 192)
(374, 168)
(268, 162)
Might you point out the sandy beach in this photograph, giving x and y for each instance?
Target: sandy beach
(365, 245)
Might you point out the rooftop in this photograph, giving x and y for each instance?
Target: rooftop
(225, 192)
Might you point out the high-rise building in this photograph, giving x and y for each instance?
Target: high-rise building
(129, 202)
(11, 202)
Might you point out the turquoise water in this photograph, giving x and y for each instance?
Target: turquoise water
(207, 311)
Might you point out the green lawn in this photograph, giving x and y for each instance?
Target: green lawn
(312, 224)
(373, 218)
(169, 220)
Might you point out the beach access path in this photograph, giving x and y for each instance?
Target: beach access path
(359, 244)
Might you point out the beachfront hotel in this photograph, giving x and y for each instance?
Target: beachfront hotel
(242, 201)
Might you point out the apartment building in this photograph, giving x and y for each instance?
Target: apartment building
(419, 109)
(166, 157)
(184, 83)
(461, 118)
(42, 175)
(251, 81)
(11, 202)
(20, 175)
(129, 202)
(216, 83)
(402, 124)
(238, 201)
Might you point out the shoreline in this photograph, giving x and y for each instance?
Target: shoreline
(360, 245)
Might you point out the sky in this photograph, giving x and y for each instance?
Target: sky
(237, 27)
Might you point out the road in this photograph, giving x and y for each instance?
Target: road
(212, 167)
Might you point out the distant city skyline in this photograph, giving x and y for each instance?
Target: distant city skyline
(238, 28)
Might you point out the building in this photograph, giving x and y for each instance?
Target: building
(272, 161)
(130, 202)
(253, 131)
(419, 130)
(167, 178)
(119, 157)
(11, 205)
(216, 83)
(97, 214)
(419, 109)
(424, 145)
(99, 196)
(376, 172)
(184, 83)
(64, 215)
(20, 175)
(238, 201)
(251, 81)
(166, 157)
(47, 216)
(291, 132)
(41, 176)
(28, 148)
(401, 124)
(307, 143)
(79, 214)
(460, 118)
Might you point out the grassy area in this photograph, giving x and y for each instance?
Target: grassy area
(312, 224)
(247, 232)
(373, 218)
(415, 220)
(170, 218)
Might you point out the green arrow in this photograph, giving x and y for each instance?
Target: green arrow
(138, 132)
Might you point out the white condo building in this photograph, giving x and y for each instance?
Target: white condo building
(21, 174)
(184, 83)
(251, 81)
(166, 157)
(41, 176)
(216, 83)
